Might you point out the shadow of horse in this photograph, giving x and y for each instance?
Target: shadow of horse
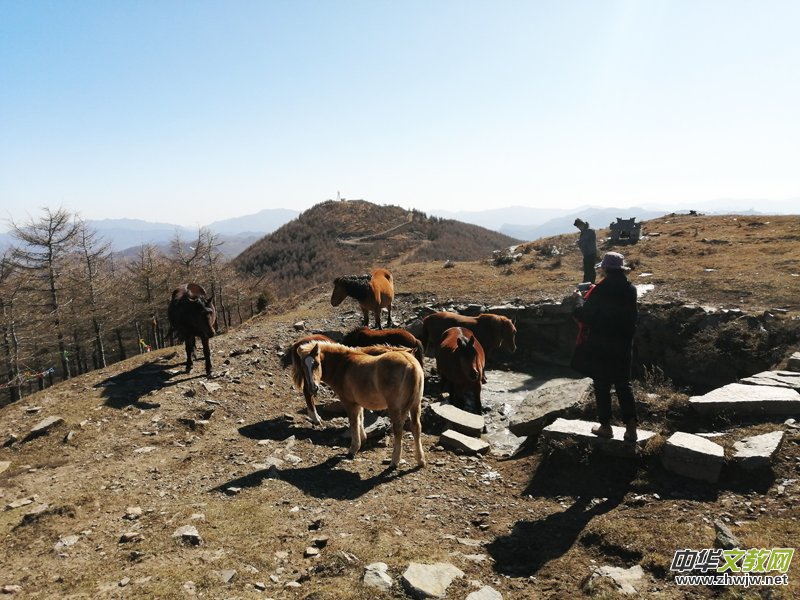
(282, 428)
(319, 481)
(600, 484)
(128, 388)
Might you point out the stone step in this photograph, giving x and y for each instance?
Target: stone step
(787, 379)
(757, 452)
(458, 442)
(546, 403)
(460, 420)
(693, 456)
(748, 400)
(562, 429)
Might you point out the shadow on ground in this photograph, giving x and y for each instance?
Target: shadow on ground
(324, 480)
(129, 388)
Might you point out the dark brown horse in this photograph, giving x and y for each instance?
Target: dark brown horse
(460, 363)
(192, 314)
(373, 293)
(364, 336)
(392, 380)
(491, 330)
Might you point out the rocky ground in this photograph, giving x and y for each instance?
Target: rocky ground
(159, 484)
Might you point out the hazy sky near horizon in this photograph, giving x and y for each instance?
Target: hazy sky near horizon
(194, 111)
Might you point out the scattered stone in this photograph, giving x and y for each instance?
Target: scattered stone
(376, 575)
(311, 551)
(188, 534)
(430, 581)
(4, 464)
(692, 456)
(144, 450)
(375, 426)
(260, 586)
(10, 440)
(227, 575)
(543, 405)
(469, 542)
(626, 581)
(320, 542)
(487, 592)
(758, 451)
(66, 542)
(458, 442)
(20, 503)
(69, 437)
(562, 429)
(45, 426)
(787, 379)
(459, 420)
(190, 588)
(132, 513)
(131, 536)
(11, 589)
(210, 386)
(299, 326)
(725, 538)
(124, 581)
(745, 400)
(232, 490)
(32, 410)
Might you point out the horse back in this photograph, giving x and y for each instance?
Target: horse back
(380, 381)
(434, 325)
(382, 284)
(493, 330)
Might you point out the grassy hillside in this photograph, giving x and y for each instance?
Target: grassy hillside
(345, 237)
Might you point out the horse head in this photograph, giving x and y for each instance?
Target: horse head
(509, 334)
(311, 364)
(468, 358)
(339, 292)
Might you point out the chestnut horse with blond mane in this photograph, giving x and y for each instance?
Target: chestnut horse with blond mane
(392, 380)
(373, 293)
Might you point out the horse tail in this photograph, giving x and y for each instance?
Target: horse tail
(419, 353)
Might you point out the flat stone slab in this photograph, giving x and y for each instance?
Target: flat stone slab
(543, 405)
(45, 425)
(787, 379)
(743, 399)
(562, 429)
(693, 456)
(453, 440)
(794, 362)
(430, 581)
(758, 451)
(459, 420)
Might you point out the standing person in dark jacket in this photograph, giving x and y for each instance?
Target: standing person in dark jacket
(609, 317)
(587, 243)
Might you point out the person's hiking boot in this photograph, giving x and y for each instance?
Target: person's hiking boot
(631, 434)
(603, 431)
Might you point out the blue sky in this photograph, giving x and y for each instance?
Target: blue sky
(191, 112)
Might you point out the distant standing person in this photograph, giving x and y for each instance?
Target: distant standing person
(587, 242)
(608, 317)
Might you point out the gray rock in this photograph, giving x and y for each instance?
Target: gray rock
(487, 592)
(131, 536)
(725, 538)
(376, 575)
(626, 581)
(4, 464)
(11, 589)
(227, 575)
(45, 426)
(794, 362)
(375, 426)
(458, 442)
(787, 379)
(545, 404)
(429, 581)
(758, 451)
(562, 429)
(188, 534)
(66, 542)
(742, 399)
(459, 420)
(692, 456)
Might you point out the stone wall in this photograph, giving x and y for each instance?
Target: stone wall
(698, 347)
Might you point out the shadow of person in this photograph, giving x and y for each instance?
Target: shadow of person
(599, 483)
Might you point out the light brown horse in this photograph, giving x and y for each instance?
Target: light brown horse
(373, 293)
(392, 380)
(491, 330)
(291, 357)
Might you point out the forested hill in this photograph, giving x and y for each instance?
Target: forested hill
(347, 237)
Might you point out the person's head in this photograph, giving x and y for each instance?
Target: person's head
(613, 262)
(581, 224)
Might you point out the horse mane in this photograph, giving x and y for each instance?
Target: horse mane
(356, 286)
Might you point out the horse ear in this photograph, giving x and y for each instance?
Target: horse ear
(471, 342)
(315, 352)
(210, 301)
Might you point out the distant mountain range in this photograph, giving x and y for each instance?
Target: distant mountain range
(520, 222)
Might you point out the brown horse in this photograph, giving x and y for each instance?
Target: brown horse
(491, 330)
(192, 314)
(364, 336)
(373, 293)
(392, 380)
(460, 364)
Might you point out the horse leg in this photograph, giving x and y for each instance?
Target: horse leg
(377, 312)
(207, 353)
(389, 322)
(365, 312)
(355, 414)
(189, 344)
(397, 419)
(416, 431)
